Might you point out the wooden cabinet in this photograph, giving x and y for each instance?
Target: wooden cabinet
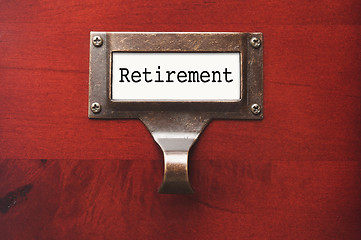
(294, 175)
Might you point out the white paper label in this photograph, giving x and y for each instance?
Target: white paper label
(176, 76)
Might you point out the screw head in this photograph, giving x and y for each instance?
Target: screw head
(97, 41)
(255, 42)
(256, 109)
(95, 107)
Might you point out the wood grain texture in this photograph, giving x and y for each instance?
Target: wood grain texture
(294, 175)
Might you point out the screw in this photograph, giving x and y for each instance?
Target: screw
(256, 109)
(97, 41)
(95, 107)
(255, 42)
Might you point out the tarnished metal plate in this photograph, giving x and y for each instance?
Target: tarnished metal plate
(100, 72)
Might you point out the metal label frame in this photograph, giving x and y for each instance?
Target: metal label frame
(100, 73)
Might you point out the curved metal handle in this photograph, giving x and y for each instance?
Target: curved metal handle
(175, 133)
(175, 146)
(175, 178)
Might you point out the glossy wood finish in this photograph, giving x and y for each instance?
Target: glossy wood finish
(294, 175)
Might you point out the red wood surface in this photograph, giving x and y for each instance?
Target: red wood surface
(294, 175)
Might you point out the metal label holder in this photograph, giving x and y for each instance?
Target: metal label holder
(175, 126)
